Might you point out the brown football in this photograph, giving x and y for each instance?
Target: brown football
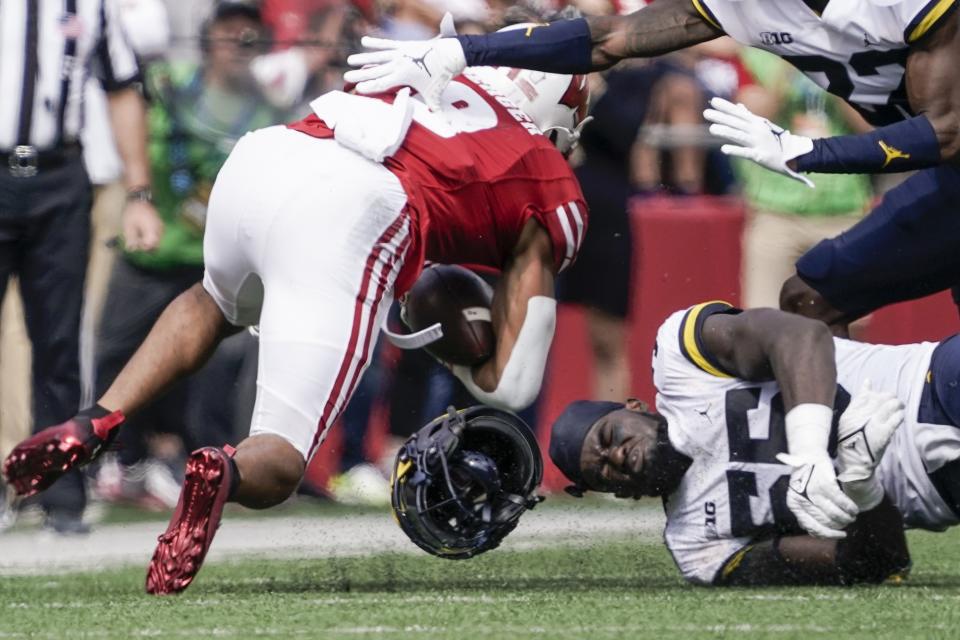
(459, 300)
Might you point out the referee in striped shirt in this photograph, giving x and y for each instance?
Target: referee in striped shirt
(48, 48)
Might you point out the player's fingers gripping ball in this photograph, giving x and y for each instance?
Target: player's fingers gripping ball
(448, 312)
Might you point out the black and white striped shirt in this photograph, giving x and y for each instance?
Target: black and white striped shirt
(47, 50)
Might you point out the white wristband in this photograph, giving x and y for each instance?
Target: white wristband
(522, 376)
(808, 430)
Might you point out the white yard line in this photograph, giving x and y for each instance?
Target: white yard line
(31, 552)
(640, 629)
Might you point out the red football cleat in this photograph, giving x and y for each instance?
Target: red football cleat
(184, 545)
(43, 458)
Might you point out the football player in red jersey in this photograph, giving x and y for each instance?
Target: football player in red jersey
(312, 230)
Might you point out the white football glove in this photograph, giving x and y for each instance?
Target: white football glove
(425, 65)
(757, 138)
(865, 430)
(815, 497)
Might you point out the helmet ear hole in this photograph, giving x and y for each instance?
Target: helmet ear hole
(554, 136)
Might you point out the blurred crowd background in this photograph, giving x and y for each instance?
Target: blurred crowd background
(214, 70)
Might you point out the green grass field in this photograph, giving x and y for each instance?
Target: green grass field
(616, 590)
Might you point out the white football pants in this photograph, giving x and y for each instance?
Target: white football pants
(306, 239)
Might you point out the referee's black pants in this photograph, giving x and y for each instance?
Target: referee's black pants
(44, 239)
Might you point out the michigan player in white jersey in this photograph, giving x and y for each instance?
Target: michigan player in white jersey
(895, 61)
(727, 383)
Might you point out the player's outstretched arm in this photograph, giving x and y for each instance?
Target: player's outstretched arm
(182, 339)
(564, 46)
(874, 550)
(591, 44)
(524, 319)
(923, 141)
(662, 27)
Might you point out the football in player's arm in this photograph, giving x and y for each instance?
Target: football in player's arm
(524, 318)
(709, 455)
(930, 31)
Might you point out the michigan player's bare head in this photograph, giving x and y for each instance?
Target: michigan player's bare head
(616, 448)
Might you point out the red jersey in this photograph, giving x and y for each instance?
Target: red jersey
(474, 175)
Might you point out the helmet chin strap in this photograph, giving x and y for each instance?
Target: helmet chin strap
(572, 135)
(417, 340)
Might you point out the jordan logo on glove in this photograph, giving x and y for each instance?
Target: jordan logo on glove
(420, 62)
(799, 483)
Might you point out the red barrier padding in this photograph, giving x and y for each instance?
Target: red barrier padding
(932, 318)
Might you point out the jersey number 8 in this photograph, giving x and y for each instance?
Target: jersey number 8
(463, 110)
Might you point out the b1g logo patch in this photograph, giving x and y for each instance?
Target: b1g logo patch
(710, 521)
(775, 37)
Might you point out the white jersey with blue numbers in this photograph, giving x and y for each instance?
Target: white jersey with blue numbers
(855, 49)
(734, 492)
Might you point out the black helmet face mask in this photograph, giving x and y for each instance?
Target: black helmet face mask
(461, 483)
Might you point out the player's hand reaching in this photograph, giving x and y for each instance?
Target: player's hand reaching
(865, 430)
(425, 65)
(757, 138)
(815, 497)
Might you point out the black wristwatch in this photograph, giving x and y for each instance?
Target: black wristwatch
(140, 194)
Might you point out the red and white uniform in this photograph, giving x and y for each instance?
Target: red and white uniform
(312, 241)
(474, 175)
